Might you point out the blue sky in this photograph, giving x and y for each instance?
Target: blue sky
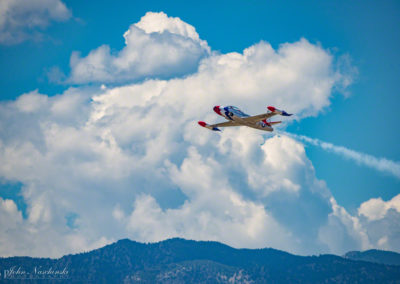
(363, 34)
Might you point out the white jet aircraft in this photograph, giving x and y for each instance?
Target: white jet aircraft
(236, 117)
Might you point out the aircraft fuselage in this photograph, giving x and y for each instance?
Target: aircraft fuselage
(235, 114)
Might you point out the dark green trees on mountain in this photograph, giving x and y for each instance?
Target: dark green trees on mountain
(183, 261)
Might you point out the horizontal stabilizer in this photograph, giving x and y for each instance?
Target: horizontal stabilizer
(275, 122)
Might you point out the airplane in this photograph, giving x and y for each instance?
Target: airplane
(236, 117)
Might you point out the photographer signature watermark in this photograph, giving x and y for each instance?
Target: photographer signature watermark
(38, 272)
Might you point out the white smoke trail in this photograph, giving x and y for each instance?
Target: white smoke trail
(380, 164)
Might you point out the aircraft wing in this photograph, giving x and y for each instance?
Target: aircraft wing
(256, 118)
(222, 124)
(226, 124)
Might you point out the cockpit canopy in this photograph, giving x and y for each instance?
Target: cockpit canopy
(237, 111)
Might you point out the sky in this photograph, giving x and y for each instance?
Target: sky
(99, 138)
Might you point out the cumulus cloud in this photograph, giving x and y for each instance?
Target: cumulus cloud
(38, 235)
(131, 161)
(157, 45)
(379, 164)
(382, 222)
(20, 20)
(377, 209)
(343, 232)
(31, 102)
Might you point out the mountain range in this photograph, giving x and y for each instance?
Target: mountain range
(185, 261)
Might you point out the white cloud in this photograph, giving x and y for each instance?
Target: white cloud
(381, 220)
(343, 232)
(20, 20)
(31, 102)
(377, 209)
(27, 237)
(156, 46)
(131, 161)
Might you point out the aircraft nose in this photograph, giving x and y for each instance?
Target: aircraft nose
(217, 109)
